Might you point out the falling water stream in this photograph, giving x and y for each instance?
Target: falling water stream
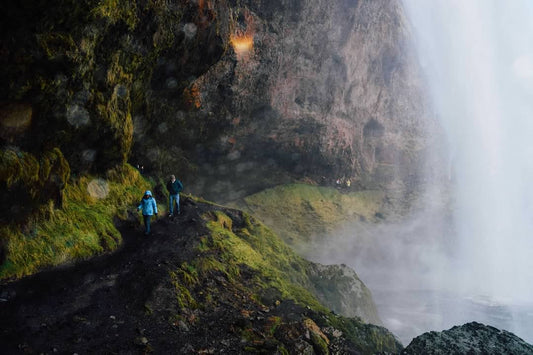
(477, 56)
(478, 59)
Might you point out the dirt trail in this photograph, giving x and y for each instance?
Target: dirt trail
(98, 302)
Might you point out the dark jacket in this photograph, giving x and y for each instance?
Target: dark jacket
(174, 187)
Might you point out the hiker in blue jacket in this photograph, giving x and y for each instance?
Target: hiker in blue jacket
(149, 208)
(174, 188)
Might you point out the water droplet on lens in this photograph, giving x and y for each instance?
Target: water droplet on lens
(190, 30)
(88, 155)
(172, 83)
(98, 188)
(77, 116)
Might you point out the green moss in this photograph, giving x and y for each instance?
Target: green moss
(32, 174)
(319, 344)
(368, 338)
(56, 44)
(117, 10)
(80, 229)
(183, 295)
(257, 247)
(188, 274)
(282, 350)
(209, 265)
(273, 324)
(164, 37)
(310, 210)
(114, 109)
(17, 167)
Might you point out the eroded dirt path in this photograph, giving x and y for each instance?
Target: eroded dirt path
(99, 303)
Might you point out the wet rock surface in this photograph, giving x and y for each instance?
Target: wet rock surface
(325, 89)
(330, 89)
(470, 338)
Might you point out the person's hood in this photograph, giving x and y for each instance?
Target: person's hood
(148, 192)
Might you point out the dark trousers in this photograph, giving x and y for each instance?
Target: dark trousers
(147, 224)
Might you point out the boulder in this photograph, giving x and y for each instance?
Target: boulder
(471, 338)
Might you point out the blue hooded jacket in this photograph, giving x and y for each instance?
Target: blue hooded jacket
(148, 205)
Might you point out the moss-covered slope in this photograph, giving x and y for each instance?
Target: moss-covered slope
(298, 212)
(212, 280)
(83, 226)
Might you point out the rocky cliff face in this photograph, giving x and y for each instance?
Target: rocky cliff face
(340, 289)
(232, 96)
(328, 89)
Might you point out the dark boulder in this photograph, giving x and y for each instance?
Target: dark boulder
(471, 338)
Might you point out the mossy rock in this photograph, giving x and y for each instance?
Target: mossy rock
(28, 181)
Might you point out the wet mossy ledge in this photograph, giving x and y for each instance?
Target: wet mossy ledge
(297, 212)
(80, 227)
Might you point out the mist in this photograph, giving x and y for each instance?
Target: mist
(478, 58)
(471, 260)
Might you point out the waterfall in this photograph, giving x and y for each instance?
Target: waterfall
(425, 274)
(478, 58)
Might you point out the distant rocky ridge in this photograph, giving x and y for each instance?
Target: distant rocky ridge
(472, 338)
(340, 289)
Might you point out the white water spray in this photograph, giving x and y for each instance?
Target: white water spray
(424, 274)
(478, 57)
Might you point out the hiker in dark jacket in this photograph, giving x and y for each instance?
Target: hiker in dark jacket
(149, 208)
(174, 188)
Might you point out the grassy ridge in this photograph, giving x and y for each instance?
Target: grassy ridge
(82, 228)
(256, 246)
(254, 259)
(296, 212)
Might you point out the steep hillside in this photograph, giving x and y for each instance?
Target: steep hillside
(211, 280)
(81, 226)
